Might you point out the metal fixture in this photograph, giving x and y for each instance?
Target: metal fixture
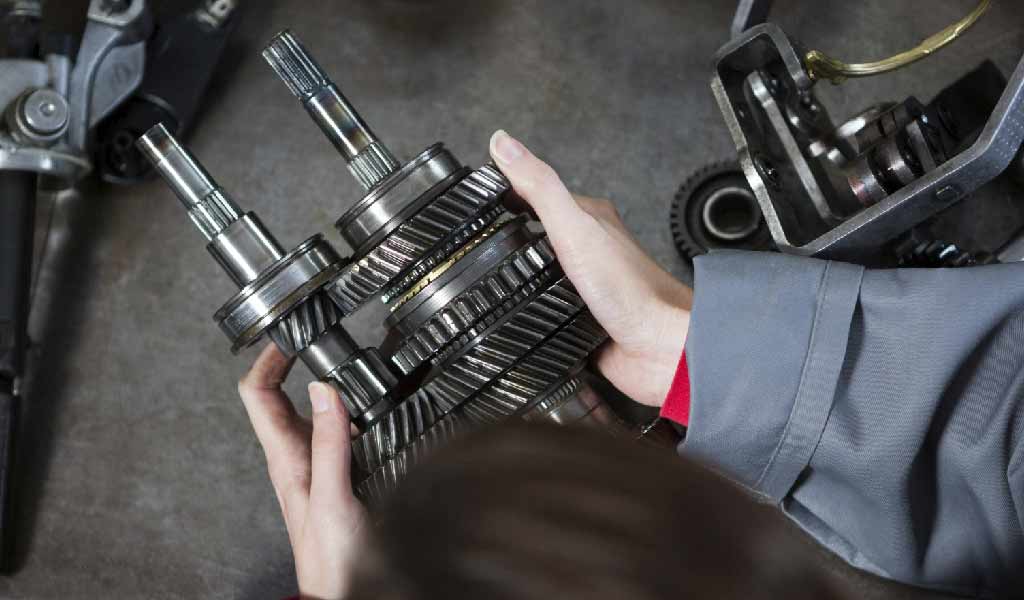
(843, 192)
(68, 72)
(484, 326)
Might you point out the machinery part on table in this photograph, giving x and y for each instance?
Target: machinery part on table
(811, 206)
(821, 66)
(483, 325)
(180, 62)
(281, 293)
(715, 208)
(912, 252)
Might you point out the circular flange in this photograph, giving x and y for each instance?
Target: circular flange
(370, 217)
(715, 208)
(279, 289)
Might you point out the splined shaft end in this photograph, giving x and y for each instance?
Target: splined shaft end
(369, 160)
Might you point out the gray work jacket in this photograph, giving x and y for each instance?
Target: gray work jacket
(883, 411)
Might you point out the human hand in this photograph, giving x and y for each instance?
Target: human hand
(645, 310)
(309, 465)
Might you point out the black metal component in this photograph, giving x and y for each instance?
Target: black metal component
(17, 216)
(715, 208)
(63, 23)
(913, 251)
(181, 59)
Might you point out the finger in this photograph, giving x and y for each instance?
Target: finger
(605, 212)
(537, 183)
(282, 433)
(269, 409)
(331, 486)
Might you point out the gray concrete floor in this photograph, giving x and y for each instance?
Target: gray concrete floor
(139, 475)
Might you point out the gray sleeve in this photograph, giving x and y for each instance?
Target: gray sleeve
(882, 410)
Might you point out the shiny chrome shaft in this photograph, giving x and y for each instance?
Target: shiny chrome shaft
(369, 160)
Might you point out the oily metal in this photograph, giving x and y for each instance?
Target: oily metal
(484, 326)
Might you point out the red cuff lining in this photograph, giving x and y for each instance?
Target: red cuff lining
(677, 402)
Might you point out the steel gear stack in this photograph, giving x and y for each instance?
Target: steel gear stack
(484, 325)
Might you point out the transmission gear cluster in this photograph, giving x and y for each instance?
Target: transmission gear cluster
(484, 325)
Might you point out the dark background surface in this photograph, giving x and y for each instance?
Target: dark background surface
(139, 474)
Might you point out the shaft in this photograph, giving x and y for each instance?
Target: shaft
(239, 242)
(368, 159)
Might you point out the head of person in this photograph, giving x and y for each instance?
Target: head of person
(534, 511)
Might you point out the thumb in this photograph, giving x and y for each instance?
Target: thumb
(330, 484)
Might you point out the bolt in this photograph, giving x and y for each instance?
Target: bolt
(768, 171)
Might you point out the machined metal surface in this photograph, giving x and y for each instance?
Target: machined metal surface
(766, 49)
(423, 240)
(277, 290)
(368, 160)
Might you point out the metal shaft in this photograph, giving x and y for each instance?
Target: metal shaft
(369, 160)
(239, 242)
(205, 201)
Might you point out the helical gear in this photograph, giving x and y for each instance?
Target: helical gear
(484, 298)
(425, 239)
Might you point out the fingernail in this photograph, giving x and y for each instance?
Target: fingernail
(319, 397)
(506, 148)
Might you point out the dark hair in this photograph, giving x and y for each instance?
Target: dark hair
(549, 512)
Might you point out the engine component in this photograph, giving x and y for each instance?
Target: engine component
(281, 293)
(715, 208)
(483, 321)
(912, 252)
(825, 191)
(484, 325)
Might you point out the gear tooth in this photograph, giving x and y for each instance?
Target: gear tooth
(421, 242)
(515, 278)
(686, 241)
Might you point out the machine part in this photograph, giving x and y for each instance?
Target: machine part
(424, 239)
(715, 208)
(912, 252)
(38, 118)
(412, 217)
(760, 73)
(17, 216)
(821, 66)
(180, 61)
(462, 307)
(475, 295)
(281, 292)
(368, 160)
(748, 14)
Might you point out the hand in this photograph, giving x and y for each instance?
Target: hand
(645, 310)
(309, 466)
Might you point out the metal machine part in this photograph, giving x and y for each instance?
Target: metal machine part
(181, 58)
(281, 293)
(715, 208)
(823, 197)
(484, 325)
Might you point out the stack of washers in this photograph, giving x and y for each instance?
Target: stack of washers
(484, 326)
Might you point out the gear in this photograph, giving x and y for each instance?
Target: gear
(715, 208)
(913, 252)
(398, 429)
(424, 240)
(488, 351)
(484, 298)
(305, 323)
(546, 367)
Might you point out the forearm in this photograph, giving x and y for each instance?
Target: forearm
(848, 399)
